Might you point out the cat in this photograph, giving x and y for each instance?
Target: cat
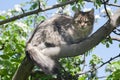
(63, 29)
(57, 31)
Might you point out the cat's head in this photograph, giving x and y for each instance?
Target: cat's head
(84, 20)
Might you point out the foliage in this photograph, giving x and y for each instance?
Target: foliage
(13, 39)
(114, 69)
(108, 41)
(14, 35)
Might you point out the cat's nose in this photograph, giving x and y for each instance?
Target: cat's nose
(82, 24)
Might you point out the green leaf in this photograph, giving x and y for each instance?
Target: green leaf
(6, 63)
(34, 6)
(83, 77)
(4, 56)
(115, 75)
(110, 41)
(115, 1)
(107, 45)
(3, 71)
(16, 60)
(80, 1)
(74, 8)
(116, 64)
(98, 2)
(42, 18)
(95, 60)
(2, 17)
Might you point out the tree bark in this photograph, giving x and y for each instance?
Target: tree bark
(24, 70)
(73, 49)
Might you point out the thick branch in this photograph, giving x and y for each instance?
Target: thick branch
(74, 49)
(24, 70)
(34, 12)
(82, 47)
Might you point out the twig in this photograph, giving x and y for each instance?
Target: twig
(42, 10)
(101, 77)
(115, 32)
(35, 12)
(118, 30)
(105, 2)
(84, 63)
(23, 10)
(115, 5)
(99, 66)
(115, 38)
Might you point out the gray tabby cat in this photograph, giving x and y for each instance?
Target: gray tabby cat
(57, 31)
(62, 29)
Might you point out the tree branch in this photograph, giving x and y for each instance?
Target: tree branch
(74, 49)
(99, 66)
(116, 31)
(115, 38)
(82, 47)
(42, 10)
(24, 70)
(115, 5)
(35, 12)
(104, 3)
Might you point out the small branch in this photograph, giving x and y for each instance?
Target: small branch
(42, 10)
(115, 38)
(99, 66)
(101, 77)
(23, 10)
(84, 62)
(115, 32)
(105, 2)
(34, 12)
(115, 5)
(118, 30)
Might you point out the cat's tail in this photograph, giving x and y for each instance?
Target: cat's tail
(48, 65)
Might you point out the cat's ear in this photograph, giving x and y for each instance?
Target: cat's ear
(91, 12)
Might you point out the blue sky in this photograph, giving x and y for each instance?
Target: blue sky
(100, 50)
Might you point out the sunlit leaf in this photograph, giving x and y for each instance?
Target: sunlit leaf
(115, 75)
(3, 72)
(2, 17)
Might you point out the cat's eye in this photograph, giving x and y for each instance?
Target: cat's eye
(86, 21)
(78, 21)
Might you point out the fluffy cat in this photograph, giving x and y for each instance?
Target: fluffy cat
(57, 31)
(62, 29)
